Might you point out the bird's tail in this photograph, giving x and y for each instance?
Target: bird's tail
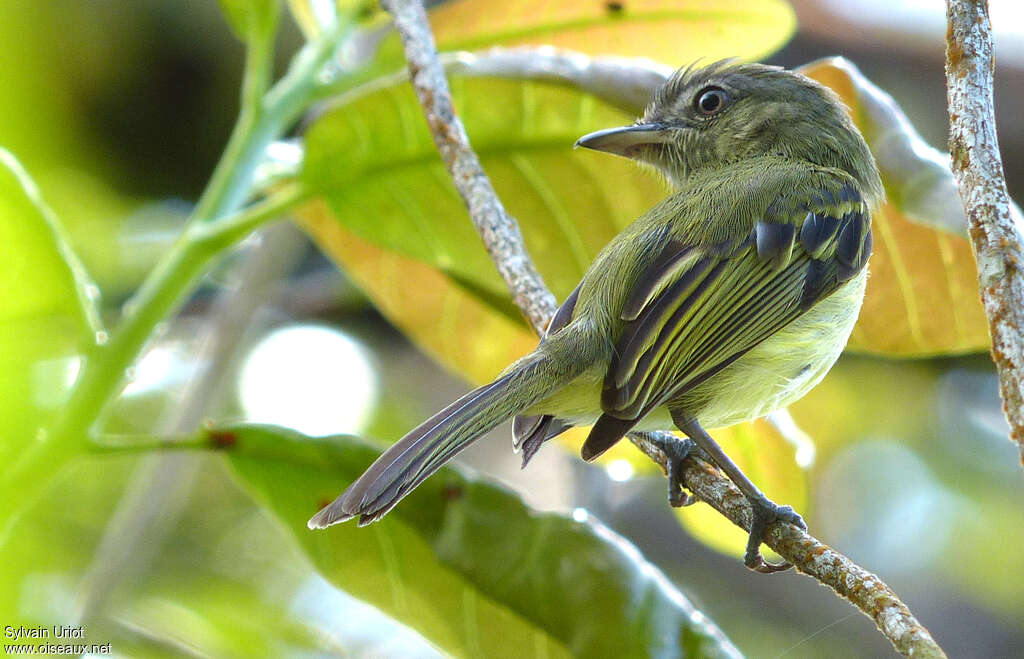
(555, 362)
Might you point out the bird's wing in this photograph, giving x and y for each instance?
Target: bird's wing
(696, 309)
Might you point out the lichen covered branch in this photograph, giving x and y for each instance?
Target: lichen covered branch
(996, 233)
(500, 232)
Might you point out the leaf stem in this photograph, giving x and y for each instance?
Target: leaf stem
(148, 443)
(214, 225)
(104, 369)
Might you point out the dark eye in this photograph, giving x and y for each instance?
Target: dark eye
(711, 100)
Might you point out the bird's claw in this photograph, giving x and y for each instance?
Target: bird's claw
(677, 450)
(766, 513)
(678, 497)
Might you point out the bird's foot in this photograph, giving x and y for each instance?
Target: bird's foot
(676, 449)
(766, 513)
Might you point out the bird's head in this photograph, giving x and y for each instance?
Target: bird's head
(727, 111)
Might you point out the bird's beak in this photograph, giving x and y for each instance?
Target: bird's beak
(626, 140)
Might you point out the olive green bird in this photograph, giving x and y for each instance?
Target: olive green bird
(729, 299)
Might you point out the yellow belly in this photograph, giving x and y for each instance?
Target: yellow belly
(784, 367)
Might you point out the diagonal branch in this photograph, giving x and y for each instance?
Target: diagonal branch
(500, 232)
(504, 242)
(997, 235)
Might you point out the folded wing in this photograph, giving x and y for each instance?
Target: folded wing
(698, 308)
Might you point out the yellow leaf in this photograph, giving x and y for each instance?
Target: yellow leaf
(922, 297)
(672, 31)
(451, 325)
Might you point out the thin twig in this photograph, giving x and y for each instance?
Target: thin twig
(500, 232)
(997, 237)
(504, 242)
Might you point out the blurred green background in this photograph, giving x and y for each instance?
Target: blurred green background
(120, 110)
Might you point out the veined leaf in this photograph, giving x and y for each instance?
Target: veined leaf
(375, 162)
(469, 566)
(674, 31)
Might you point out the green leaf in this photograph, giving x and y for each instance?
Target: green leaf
(468, 565)
(251, 20)
(47, 309)
(46, 317)
(34, 250)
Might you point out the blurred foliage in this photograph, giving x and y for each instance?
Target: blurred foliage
(234, 585)
(43, 126)
(251, 19)
(96, 113)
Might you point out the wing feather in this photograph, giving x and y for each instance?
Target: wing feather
(699, 308)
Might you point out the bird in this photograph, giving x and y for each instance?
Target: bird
(729, 299)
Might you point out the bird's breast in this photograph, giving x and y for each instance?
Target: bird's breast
(785, 366)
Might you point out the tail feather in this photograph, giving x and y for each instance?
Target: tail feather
(530, 432)
(438, 439)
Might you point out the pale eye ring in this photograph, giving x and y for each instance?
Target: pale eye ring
(710, 101)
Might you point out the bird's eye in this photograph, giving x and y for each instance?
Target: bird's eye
(711, 100)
